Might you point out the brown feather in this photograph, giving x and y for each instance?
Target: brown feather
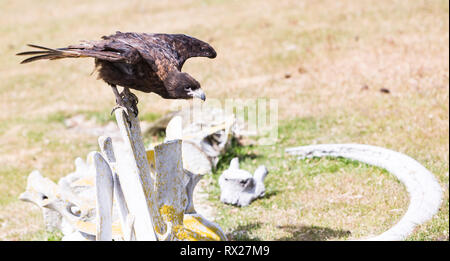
(32, 52)
(39, 57)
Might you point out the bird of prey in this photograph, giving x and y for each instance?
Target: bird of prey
(139, 61)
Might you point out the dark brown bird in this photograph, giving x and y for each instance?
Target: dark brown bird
(139, 61)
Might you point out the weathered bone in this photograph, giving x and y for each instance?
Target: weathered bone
(204, 139)
(134, 176)
(104, 185)
(152, 195)
(239, 187)
(106, 147)
(40, 191)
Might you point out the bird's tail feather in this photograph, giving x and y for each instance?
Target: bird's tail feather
(49, 53)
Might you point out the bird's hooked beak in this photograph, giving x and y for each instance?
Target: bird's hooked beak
(199, 93)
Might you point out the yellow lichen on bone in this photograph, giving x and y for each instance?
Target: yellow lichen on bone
(88, 181)
(171, 223)
(207, 230)
(189, 227)
(90, 227)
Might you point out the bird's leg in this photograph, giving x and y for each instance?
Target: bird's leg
(120, 103)
(116, 93)
(132, 99)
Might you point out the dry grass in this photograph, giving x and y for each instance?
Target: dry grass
(331, 49)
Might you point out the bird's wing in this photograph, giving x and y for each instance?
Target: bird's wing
(107, 49)
(186, 47)
(163, 52)
(156, 53)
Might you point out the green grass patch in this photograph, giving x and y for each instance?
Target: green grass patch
(58, 117)
(149, 116)
(12, 182)
(101, 117)
(43, 235)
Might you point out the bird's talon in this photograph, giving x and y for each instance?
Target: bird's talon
(127, 115)
(134, 98)
(135, 110)
(115, 108)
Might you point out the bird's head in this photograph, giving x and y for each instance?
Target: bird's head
(181, 85)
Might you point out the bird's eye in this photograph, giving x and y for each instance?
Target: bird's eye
(188, 89)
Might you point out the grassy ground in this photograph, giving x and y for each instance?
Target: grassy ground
(314, 199)
(337, 55)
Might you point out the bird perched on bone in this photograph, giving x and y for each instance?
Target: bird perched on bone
(239, 187)
(138, 61)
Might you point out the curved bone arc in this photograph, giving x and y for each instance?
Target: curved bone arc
(423, 188)
(193, 180)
